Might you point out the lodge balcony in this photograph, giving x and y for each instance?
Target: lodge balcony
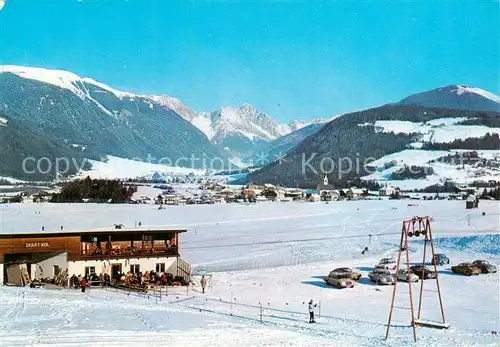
(119, 253)
(120, 246)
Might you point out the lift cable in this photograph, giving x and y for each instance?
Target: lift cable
(456, 231)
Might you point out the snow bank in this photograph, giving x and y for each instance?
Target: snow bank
(489, 244)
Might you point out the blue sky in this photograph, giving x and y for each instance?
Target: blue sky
(291, 59)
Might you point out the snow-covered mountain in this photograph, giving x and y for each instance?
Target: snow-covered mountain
(53, 113)
(176, 105)
(295, 125)
(240, 130)
(459, 97)
(244, 130)
(438, 123)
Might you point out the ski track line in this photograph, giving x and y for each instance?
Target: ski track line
(330, 332)
(42, 334)
(343, 319)
(18, 294)
(131, 315)
(19, 306)
(358, 322)
(302, 328)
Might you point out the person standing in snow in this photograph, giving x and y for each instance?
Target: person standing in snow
(203, 284)
(84, 285)
(312, 306)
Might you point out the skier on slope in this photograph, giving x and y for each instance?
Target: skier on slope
(312, 306)
(203, 284)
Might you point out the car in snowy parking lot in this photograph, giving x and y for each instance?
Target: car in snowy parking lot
(382, 277)
(347, 273)
(423, 272)
(338, 281)
(440, 259)
(387, 264)
(485, 266)
(466, 269)
(404, 275)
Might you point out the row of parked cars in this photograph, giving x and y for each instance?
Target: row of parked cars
(384, 272)
(475, 268)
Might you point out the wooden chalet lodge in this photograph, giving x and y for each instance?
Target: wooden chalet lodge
(26, 257)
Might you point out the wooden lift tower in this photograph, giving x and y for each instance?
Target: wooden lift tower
(416, 227)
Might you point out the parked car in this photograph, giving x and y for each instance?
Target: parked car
(382, 277)
(466, 269)
(338, 281)
(485, 266)
(440, 259)
(403, 275)
(387, 264)
(423, 272)
(347, 273)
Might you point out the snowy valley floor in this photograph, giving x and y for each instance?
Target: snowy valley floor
(273, 255)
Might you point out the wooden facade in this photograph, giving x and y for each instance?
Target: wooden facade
(92, 245)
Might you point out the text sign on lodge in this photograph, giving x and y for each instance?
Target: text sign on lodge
(36, 244)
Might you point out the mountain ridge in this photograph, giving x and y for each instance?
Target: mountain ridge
(456, 96)
(84, 117)
(237, 131)
(375, 133)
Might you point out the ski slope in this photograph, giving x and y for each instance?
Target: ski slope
(460, 174)
(269, 254)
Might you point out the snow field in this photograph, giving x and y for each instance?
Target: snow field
(121, 168)
(442, 171)
(436, 130)
(281, 252)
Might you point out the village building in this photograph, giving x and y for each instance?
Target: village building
(464, 190)
(26, 257)
(227, 193)
(294, 193)
(168, 199)
(260, 198)
(273, 194)
(250, 192)
(313, 198)
(353, 193)
(471, 202)
(219, 199)
(324, 187)
(387, 191)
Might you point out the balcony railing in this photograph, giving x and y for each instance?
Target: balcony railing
(130, 252)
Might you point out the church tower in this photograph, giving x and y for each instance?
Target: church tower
(325, 180)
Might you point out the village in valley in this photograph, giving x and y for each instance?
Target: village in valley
(194, 189)
(264, 259)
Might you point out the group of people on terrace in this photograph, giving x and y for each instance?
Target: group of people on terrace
(129, 279)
